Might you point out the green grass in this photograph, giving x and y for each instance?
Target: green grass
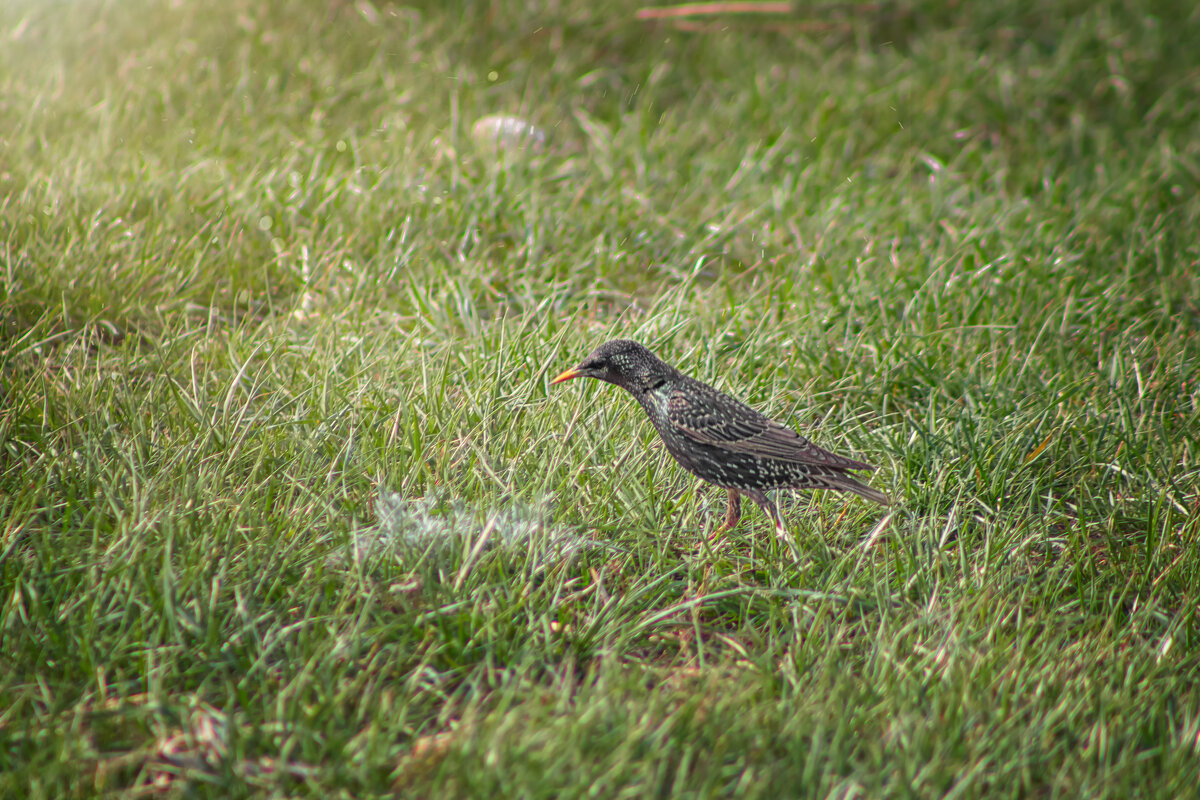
(289, 508)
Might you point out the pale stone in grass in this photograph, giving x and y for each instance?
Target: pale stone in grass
(503, 132)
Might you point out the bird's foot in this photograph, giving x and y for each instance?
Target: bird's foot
(717, 539)
(781, 533)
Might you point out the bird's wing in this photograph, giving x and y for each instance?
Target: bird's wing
(718, 420)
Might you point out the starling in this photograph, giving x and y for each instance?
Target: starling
(718, 438)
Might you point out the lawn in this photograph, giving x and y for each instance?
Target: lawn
(288, 507)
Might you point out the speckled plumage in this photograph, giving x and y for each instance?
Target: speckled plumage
(719, 438)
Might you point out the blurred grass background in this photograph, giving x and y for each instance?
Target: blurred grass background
(289, 508)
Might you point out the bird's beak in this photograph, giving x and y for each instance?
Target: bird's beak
(566, 376)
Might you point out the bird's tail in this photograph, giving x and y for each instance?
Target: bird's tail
(843, 482)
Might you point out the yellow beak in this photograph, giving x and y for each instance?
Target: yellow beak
(566, 376)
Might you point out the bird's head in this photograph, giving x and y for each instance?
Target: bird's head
(624, 363)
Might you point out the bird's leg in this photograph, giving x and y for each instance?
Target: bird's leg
(766, 505)
(732, 514)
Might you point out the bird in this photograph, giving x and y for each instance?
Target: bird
(717, 437)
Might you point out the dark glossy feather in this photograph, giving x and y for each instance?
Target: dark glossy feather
(710, 417)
